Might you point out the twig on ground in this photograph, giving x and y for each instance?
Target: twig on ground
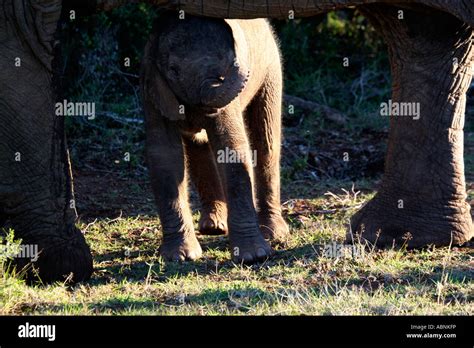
(310, 106)
(122, 120)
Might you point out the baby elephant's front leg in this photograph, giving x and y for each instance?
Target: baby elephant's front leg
(168, 179)
(230, 145)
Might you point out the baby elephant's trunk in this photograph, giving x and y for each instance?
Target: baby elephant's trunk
(218, 90)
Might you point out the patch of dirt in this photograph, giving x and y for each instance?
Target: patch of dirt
(334, 154)
(102, 194)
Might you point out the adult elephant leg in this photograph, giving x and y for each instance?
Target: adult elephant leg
(422, 198)
(35, 178)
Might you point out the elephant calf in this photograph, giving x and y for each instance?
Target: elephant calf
(212, 88)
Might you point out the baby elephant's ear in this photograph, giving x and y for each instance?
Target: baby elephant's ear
(240, 42)
(157, 92)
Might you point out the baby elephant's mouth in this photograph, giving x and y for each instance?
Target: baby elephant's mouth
(213, 82)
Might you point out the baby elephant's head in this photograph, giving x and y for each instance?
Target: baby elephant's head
(203, 60)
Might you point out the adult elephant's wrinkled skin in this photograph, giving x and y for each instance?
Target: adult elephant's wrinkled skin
(36, 198)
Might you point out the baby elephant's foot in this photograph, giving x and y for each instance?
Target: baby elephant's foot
(274, 227)
(249, 248)
(180, 247)
(213, 219)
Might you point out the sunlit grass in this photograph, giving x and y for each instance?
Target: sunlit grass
(131, 278)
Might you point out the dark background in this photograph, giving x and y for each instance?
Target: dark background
(94, 49)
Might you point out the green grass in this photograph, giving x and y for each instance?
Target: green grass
(131, 279)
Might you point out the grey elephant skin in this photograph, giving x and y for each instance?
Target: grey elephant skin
(424, 163)
(206, 84)
(36, 197)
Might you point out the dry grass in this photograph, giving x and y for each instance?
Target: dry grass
(130, 277)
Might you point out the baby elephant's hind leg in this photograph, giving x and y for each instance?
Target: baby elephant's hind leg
(264, 123)
(205, 176)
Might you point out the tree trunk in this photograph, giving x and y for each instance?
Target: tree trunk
(422, 199)
(35, 178)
